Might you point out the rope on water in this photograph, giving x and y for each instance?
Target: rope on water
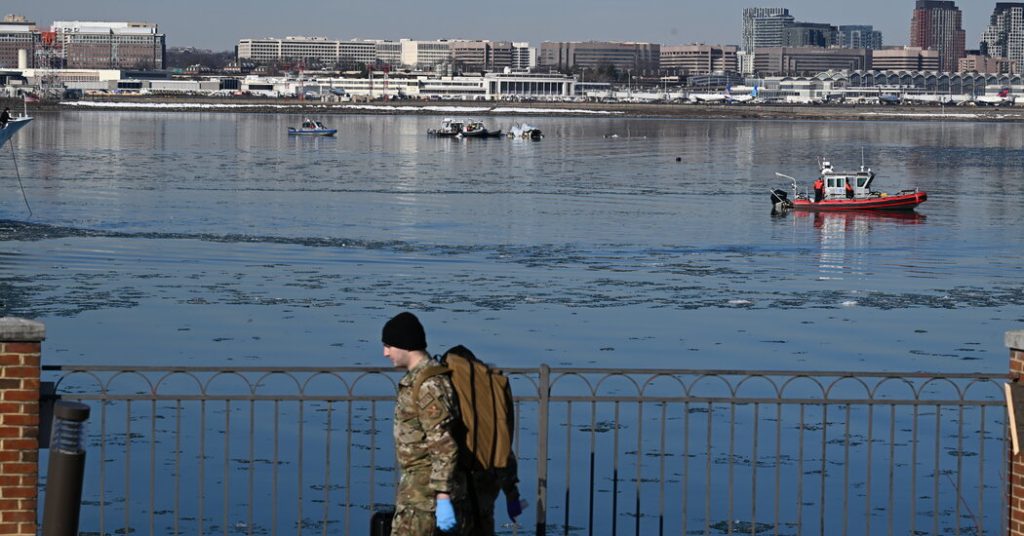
(16, 172)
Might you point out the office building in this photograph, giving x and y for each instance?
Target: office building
(937, 24)
(1004, 37)
(763, 27)
(18, 38)
(696, 59)
(483, 56)
(977, 63)
(809, 34)
(110, 45)
(638, 58)
(905, 59)
(426, 54)
(859, 36)
(307, 49)
(807, 61)
(524, 57)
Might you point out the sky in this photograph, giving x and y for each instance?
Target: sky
(219, 24)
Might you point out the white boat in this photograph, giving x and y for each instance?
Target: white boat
(311, 127)
(449, 129)
(12, 127)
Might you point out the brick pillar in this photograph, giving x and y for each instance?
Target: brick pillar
(1015, 342)
(20, 342)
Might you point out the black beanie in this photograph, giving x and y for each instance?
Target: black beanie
(404, 331)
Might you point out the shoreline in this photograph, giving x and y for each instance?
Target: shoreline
(812, 112)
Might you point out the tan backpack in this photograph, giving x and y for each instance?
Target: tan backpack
(486, 407)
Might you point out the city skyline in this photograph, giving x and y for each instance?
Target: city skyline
(657, 21)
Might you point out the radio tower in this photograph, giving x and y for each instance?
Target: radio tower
(49, 59)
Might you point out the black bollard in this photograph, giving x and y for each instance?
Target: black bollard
(65, 469)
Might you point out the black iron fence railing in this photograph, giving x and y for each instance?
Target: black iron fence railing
(268, 450)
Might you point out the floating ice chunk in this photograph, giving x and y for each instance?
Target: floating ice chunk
(740, 302)
(849, 303)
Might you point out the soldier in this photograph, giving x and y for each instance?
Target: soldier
(431, 486)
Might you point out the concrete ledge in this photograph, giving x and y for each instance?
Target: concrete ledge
(1015, 339)
(20, 330)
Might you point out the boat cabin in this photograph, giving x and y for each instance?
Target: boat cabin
(311, 124)
(835, 181)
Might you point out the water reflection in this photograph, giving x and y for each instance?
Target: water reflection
(846, 237)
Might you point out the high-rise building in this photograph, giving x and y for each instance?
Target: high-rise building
(764, 27)
(859, 36)
(110, 45)
(809, 34)
(1004, 37)
(937, 24)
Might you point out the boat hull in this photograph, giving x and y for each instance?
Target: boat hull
(13, 126)
(312, 132)
(908, 201)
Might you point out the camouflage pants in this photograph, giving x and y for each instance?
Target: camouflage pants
(413, 522)
(416, 522)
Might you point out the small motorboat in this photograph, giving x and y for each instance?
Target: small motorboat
(845, 190)
(311, 127)
(476, 129)
(450, 128)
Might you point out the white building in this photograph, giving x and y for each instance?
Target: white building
(426, 54)
(405, 53)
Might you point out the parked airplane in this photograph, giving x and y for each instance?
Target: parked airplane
(698, 98)
(888, 98)
(1003, 97)
(726, 96)
(741, 98)
(945, 100)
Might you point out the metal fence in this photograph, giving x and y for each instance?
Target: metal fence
(264, 450)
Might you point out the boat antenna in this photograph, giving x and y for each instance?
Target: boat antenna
(16, 172)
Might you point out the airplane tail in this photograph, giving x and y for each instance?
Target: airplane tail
(1005, 92)
(753, 93)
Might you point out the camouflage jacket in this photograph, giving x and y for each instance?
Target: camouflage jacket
(426, 450)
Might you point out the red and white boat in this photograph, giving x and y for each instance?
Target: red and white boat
(835, 196)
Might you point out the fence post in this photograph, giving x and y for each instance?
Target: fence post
(543, 392)
(1015, 342)
(20, 343)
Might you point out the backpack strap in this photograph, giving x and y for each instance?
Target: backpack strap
(423, 376)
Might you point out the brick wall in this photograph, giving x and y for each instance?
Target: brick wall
(20, 342)
(1015, 342)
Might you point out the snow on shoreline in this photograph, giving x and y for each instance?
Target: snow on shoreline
(364, 107)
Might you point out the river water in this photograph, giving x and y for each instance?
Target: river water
(214, 238)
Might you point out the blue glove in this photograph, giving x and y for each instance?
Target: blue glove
(514, 507)
(445, 515)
